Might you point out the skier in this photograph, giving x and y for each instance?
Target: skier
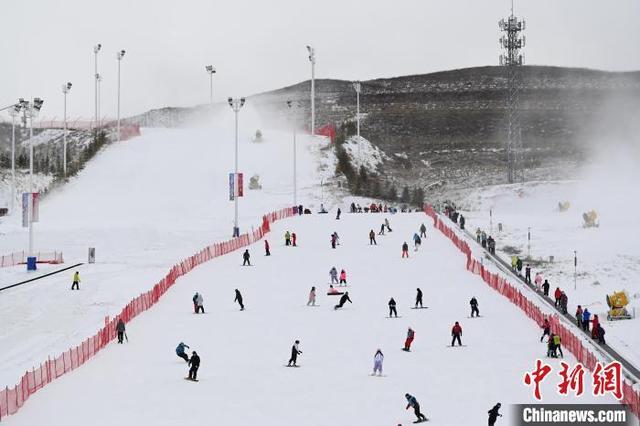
(76, 281)
(239, 299)
(456, 332)
(407, 343)
(416, 241)
(557, 295)
(267, 252)
(198, 301)
(245, 258)
(343, 277)
(423, 231)
(579, 316)
(381, 230)
(545, 287)
(194, 363)
(294, 354)
(334, 240)
(405, 250)
(413, 402)
(372, 238)
(556, 345)
(538, 281)
(120, 328)
(547, 329)
(494, 414)
(586, 317)
(344, 299)
(474, 306)
(377, 363)
(287, 238)
(294, 237)
(333, 273)
(527, 274)
(386, 223)
(392, 308)
(419, 298)
(312, 297)
(180, 351)
(338, 214)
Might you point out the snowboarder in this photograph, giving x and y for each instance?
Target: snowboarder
(456, 332)
(239, 299)
(474, 306)
(386, 223)
(198, 301)
(333, 273)
(312, 297)
(586, 317)
(392, 308)
(194, 363)
(538, 281)
(344, 299)
(545, 287)
(245, 258)
(372, 238)
(416, 241)
(419, 298)
(334, 240)
(76, 281)
(294, 238)
(547, 329)
(405, 250)
(333, 291)
(378, 358)
(120, 328)
(180, 351)
(423, 231)
(343, 277)
(267, 252)
(579, 316)
(413, 403)
(407, 343)
(381, 232)
(556, 345)
(338, 214)
(557, 295)
(527, 274)
(337, 238)
(287, 238)
(494, 414)
(295, 351)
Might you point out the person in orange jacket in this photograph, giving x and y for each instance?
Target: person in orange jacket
(456, 332)
(558, 296)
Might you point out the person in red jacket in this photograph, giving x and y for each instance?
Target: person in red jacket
(456, 332)
(407, 343)
(266, 248)
(293, 239)
(547, 329)
(558, 296)
(595, 327)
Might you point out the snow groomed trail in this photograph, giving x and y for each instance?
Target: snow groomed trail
(242, 376)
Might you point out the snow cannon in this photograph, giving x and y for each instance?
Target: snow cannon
(590, 219)
(563, 206)
(617, 306)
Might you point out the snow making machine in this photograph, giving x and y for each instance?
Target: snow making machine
(590, 219)
(617, 306)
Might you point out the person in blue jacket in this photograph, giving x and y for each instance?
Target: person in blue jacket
(180, 351)
(413, 402)
(586, 317)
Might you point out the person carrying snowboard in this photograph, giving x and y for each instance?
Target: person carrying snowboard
(312, 297)
(343, 299)
(76, 281)
(547, 329)
(120, 328)
(239, 299)
(413, 403)
(372, 238)
(423, 231)
(181, 353)
(456, 332)
(378, 358)
(407, 343)
(245, 258)
(405, 250)
(267, 252)
(295, 351)
(194, 363)
(419, 298)
(333, 273)
(343, 277)
(392, 308)
(494, 414)
(287, 238)
(545, 288)
(474, 307)
(198, 303)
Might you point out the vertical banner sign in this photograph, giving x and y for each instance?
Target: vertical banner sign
(25, 209)
(35, 205)
(239, 185)
(232, 190)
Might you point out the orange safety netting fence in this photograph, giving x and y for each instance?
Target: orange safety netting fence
(20, 257)
(11, 400)
(571, 341)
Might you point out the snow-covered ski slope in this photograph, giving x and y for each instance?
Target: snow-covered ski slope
(242, 376)
(145, 204)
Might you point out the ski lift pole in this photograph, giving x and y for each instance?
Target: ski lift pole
(575, 270)
(529, 243)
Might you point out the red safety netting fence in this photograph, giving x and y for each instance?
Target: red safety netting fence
(12, 399)
(574, 343)
(20, 257)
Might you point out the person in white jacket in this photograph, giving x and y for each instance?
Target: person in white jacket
(312, 297)
(377, 363)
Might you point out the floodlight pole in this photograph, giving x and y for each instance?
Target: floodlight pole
(66, 88)
(211, 71)
(312, 59)
(235, 105)
(96, 76)
(119, 56)
(295, 161)
(14, 112)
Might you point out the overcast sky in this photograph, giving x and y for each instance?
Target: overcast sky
(260, 45)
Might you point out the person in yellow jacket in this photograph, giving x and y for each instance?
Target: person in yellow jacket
(556, 344)
(514, 262)
(76, 281)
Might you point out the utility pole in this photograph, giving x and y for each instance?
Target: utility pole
(66, 88)
(119, 56)
(96, 76)
(312, 59)
(235, 105)
(211, 71)
(295, 167)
